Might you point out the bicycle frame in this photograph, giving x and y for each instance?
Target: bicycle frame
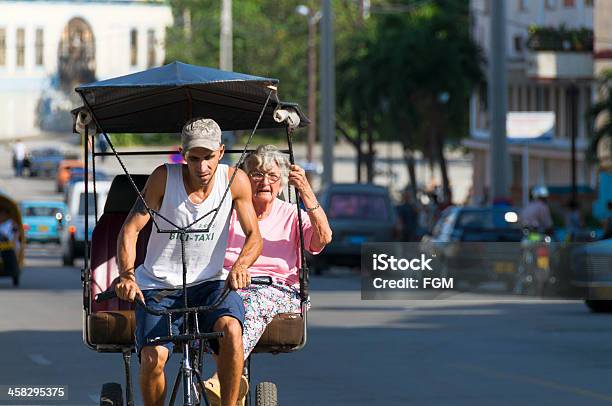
(191, 334)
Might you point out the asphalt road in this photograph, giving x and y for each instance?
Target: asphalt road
(484, 351)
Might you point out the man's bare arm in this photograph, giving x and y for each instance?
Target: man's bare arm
(136, 220)
(243, 204)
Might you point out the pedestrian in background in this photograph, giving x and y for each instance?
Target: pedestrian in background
(19, 154)
(407, 217)
(102, 146)
(573, 221)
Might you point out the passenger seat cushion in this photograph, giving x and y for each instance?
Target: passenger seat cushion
(112, 327)
(285, 331)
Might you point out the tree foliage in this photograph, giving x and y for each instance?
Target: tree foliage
(414, 71)
(601, 113)
(405, 73)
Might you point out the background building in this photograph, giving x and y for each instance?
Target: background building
(550, 68)
(48, 47)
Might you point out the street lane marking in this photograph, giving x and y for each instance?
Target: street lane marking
(535, 381)
(39, 359)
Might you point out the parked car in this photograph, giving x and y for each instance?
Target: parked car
(77, 175)
(43, 161)
(73, 233)
(42, 220)
(476, 244)
(592, 273)
(63, 172)
(357, 213)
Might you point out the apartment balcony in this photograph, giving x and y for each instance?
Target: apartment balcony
(559, 65)
(560, 53)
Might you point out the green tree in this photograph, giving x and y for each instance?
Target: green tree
(415, 71)
(601, 113)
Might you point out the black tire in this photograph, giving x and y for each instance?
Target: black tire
(599, 306)
(266, 394)
(111, 394)
(15, 280)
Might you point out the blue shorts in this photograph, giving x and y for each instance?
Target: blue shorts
(204, 294)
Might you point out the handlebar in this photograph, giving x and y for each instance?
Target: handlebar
(111, 294)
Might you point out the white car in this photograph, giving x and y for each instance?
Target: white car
(73, 235)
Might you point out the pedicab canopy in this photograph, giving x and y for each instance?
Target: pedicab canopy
(162, 99)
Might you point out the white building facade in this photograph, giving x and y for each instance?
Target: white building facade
(49, 47)
(560, 81)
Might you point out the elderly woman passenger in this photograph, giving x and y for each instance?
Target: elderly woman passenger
(269, 171)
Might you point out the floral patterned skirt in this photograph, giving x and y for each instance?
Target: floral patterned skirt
(261, 304)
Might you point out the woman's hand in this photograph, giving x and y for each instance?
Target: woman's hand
(297, 178)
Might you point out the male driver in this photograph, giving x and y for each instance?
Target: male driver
(183, 193)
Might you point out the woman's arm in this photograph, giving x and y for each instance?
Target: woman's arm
(239, 276)
(322, 233)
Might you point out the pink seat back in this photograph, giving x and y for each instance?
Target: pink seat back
(121, 198)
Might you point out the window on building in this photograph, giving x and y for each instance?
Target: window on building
(40, 47)
(151, 56)
(20, 47)
(522, 5)
(569, 3)
(133, 47)
(2, 47)
(518, 43)
(551, 4)
(588, 3)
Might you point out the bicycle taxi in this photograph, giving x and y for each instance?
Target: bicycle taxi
(161, 100)
(12, 253)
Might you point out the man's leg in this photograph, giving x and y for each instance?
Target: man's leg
(231, 358)
(152, 380)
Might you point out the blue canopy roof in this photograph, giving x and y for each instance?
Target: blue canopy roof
(162, 99)
(176, 74)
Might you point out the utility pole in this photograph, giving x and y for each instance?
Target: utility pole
(226, 40)
(312, 85)
(573, 114)
(328, 92)
(498, 151)
(226, 59)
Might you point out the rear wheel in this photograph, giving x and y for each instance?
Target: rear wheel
(15, 280)
(266, 394)
(111, 394)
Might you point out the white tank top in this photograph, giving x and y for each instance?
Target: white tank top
(204, 252)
